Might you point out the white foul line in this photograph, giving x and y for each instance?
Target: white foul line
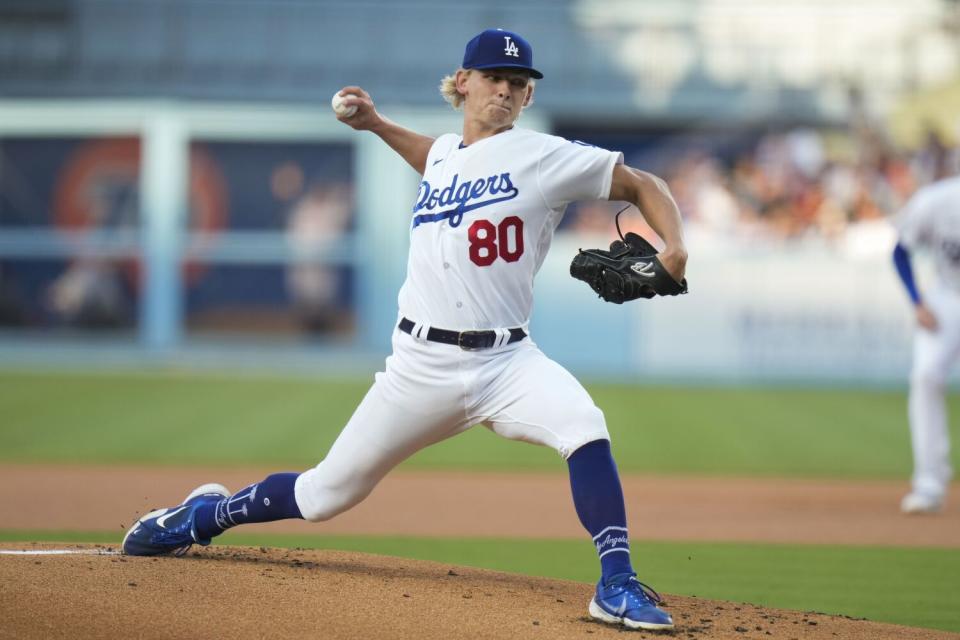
(58, 552)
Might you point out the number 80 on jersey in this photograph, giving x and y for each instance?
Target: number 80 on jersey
(488, 242)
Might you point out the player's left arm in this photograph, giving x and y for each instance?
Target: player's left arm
(925, 316)
(652, 196)
(915, 230)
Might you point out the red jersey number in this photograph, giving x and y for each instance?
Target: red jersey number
(487, 242)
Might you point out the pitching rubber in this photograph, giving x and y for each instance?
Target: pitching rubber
(599, 614)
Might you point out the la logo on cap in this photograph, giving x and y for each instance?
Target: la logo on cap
(499, 48)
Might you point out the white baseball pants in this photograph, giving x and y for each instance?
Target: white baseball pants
(432, 391)
(934, 353)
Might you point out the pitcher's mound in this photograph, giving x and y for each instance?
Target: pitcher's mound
(87, 591)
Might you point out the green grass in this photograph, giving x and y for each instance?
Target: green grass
(131, 418)
(914, 587)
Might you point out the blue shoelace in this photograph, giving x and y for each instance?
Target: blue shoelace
(639, 592)
(646, 591)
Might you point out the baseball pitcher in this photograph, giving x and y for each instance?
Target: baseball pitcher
(480, 226)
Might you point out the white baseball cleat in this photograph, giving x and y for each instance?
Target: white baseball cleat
(919, 503)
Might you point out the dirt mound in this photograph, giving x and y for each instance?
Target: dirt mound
(240, 593)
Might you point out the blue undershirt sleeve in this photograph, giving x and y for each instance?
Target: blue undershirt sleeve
(901, 258)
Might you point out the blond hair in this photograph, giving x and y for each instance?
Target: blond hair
(448, 89)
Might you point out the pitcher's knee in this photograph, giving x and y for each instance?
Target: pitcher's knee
(588, 422)
(327, 504)
(319, 498)
(586, 425)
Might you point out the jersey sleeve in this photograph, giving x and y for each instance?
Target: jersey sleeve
(441, 147)
(571, 170)
(915, 222)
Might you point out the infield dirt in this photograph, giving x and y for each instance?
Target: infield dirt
(239, 593)
(449, 504)
(244, 593)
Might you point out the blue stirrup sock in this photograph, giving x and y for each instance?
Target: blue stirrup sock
(598, 499)
(266, 501)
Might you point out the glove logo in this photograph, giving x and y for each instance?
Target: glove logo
(644, 269)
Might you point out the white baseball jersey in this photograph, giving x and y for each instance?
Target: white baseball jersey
(484, 219)
(931, 220)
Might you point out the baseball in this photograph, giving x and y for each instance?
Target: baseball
(342, 110)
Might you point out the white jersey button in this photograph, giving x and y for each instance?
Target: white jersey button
(446, 265)
(459, 304)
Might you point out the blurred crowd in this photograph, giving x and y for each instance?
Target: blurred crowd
(792, 185)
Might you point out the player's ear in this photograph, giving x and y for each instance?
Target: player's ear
(528, 99)
(461, 80)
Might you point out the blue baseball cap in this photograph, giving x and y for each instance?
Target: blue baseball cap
(496, 48)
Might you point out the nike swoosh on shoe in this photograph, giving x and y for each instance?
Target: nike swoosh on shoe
(163, 518)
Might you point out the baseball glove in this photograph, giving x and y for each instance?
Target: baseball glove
(629, 270)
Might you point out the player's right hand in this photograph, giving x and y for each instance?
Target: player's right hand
(925, 318)
(366, 117)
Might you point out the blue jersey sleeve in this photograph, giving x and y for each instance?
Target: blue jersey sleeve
(901, 258)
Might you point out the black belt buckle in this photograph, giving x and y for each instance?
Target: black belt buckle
(476, 346)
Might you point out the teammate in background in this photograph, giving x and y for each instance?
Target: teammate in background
(931, 220)
(482, 223)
